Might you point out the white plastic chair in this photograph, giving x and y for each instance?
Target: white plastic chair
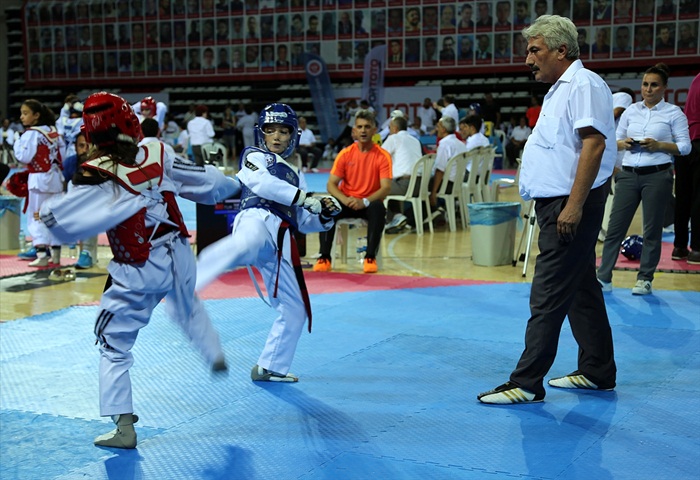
(502, 183)
(419, 175)
(471, 192)
(208, 148)
(343, 242)
(460, 162)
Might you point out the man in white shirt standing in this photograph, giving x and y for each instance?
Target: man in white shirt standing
(307, 144)
(565, 168)
(427, 115)
(449, 109)
(405, 151)
(200, 131)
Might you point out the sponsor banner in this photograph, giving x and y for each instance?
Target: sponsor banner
(322, 96)
(373, 80)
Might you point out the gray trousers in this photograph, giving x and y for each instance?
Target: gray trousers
(399, 186)
(654, 191)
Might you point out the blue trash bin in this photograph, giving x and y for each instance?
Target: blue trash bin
(493, 232)
(10, 211)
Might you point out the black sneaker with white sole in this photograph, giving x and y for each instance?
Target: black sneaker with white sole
(508, 394)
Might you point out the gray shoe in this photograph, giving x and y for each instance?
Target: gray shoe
(124, 436)
(606, 287)
(260, 374)
(642, 287)
(398, 222)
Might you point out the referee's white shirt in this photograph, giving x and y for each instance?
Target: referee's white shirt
(580, 98)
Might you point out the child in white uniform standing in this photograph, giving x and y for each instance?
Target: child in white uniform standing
(40, 148)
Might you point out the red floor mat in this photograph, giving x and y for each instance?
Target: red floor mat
(238, 283)
(665, 263)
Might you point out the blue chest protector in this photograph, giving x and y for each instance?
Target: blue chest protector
(279, 170)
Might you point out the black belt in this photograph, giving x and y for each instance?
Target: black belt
(647, 170)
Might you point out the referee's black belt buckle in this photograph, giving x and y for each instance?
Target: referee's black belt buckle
(647, 170)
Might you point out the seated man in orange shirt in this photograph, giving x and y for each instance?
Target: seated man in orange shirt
(360, 179)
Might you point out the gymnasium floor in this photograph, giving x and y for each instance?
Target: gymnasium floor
(388, 381)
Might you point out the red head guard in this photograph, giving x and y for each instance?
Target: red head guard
(109, 118)
(149, 104)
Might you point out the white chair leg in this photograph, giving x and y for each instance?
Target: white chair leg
(450, 203)
(430, 215)
(344, 241)
(418, 215)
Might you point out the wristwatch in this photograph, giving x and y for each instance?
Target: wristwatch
(366, 202)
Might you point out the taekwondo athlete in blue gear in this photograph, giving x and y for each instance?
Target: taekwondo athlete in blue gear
(274, 204)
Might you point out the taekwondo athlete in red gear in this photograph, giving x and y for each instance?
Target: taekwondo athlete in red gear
(129, 191)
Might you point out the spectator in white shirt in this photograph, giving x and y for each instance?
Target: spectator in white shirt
(516, 141)
(417, 129)
(8, 135)
(448, 147)
(246, 124)
(405, 151)
(470, 129)
(427, 115)
(307, 145)
(449, 108)
(183, 141)
(200, 131)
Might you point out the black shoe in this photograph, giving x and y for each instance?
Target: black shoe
(507, 394)
(679, 253)
(578, 380)
(694, 258)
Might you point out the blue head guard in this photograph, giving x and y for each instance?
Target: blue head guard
(632, 247)
(278, 114)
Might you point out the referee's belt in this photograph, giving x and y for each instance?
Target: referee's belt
(647, 170)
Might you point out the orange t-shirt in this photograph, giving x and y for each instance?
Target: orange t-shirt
(361, 172)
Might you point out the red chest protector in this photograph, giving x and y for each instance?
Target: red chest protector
(47, 151)
(130, 240)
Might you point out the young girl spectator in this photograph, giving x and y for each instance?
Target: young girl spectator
(40, 148)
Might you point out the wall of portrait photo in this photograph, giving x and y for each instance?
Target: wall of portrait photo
(191, 40)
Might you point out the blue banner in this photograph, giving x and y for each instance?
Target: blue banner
(322, 96)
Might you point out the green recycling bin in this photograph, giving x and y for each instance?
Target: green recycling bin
(493, 232)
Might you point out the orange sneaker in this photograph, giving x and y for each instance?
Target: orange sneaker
(370, 265)
(322, 265)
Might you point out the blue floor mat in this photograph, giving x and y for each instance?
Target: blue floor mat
(388, 384)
